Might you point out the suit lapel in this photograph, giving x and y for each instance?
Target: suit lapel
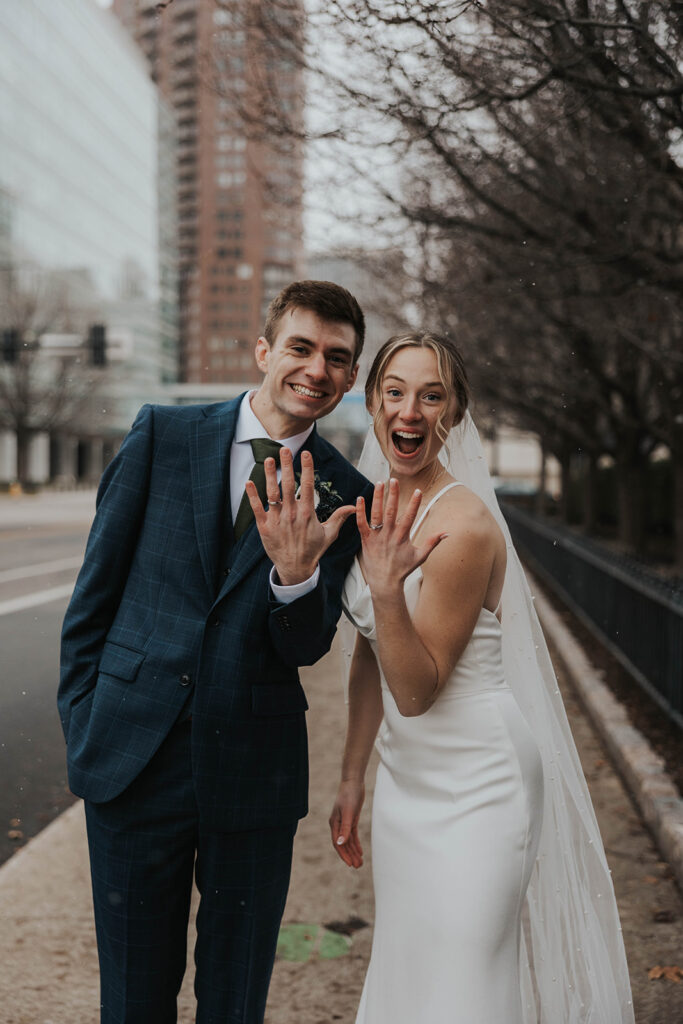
(245, 554)
(323, 465)
(209, 466)
(249, 549)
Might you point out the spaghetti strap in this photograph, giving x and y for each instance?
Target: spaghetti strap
(418, 523)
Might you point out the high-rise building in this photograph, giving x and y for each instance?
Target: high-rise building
(86, 235)
(239, 195)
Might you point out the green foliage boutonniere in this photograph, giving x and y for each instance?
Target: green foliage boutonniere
(325, 498)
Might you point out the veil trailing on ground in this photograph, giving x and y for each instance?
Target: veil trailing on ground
(573, 964)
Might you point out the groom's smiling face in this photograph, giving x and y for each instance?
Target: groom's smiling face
(307, 370)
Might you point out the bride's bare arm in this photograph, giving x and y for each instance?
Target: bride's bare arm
(418, 654)
(364, 718)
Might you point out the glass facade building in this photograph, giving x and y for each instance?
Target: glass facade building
(87, 195)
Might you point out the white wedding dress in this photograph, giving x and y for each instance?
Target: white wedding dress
(455, 826)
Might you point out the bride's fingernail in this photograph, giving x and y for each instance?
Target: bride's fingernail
(340, 840)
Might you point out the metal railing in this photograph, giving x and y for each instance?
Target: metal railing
(639, 617)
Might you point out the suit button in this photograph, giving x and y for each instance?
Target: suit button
(185, 680)
(226, 572)
(215, 622)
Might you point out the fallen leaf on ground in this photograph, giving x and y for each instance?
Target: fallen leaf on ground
(15, 833)
(664, 916)
(672, 973)
(347, 927)
(650, 880)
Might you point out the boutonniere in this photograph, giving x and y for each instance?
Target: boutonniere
(325, 498)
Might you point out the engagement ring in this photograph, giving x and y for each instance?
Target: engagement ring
(376, 526)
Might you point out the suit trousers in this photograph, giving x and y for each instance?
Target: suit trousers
(145, 846)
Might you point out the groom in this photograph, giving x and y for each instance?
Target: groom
(179, 695)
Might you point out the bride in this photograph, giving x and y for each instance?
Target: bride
(494, 903)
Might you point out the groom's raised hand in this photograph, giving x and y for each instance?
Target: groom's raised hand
(293, 537)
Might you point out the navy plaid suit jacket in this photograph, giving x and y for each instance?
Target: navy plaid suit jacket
(154, 614)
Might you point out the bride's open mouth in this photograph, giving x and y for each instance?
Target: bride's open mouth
(407, 442)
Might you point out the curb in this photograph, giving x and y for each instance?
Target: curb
(20, 865)
(643, 771)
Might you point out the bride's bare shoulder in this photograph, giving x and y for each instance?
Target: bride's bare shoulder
(462, 513)
(460, 503)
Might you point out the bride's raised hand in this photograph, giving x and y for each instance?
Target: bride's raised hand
(389, 555)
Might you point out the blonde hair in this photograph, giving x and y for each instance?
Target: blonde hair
(450, 367)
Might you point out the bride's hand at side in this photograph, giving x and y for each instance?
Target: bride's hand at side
(344, 822)
(389, 555)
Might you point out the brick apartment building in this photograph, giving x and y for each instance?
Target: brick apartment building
(239, 196)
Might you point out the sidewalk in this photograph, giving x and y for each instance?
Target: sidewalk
(47, 508)
(47, 944)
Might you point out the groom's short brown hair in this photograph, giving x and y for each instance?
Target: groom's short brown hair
(327, 300)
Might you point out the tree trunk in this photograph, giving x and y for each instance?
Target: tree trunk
(590, 493)
(539, 500)
(565, 468)
(23, 456)
(630, 497)
(677, 465)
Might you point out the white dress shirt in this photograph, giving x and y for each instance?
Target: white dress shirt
(241, 464)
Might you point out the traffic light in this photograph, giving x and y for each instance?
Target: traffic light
(97, 343)
(10, 345)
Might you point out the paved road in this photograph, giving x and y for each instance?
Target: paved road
(41, 547)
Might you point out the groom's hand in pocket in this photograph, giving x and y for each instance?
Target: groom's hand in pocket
(293, 537)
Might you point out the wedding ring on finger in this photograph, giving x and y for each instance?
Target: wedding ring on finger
(275, 501)
(376, 526)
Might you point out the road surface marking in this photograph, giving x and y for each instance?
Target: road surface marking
(19, 604)
(40, 568)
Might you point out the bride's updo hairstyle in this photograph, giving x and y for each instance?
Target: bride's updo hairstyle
(451, 369)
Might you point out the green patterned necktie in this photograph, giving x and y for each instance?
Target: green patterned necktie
(262, 447)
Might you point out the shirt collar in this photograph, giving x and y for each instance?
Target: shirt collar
(249, 426)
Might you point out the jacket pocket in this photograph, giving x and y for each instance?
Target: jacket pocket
(278, 699)
(121, 662)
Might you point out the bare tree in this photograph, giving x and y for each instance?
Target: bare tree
(533, 149)
(41, 389)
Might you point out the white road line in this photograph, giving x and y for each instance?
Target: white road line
(19, 604)
(40, 568)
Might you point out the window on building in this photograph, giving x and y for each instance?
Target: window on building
(230, 179)
(224, 17)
